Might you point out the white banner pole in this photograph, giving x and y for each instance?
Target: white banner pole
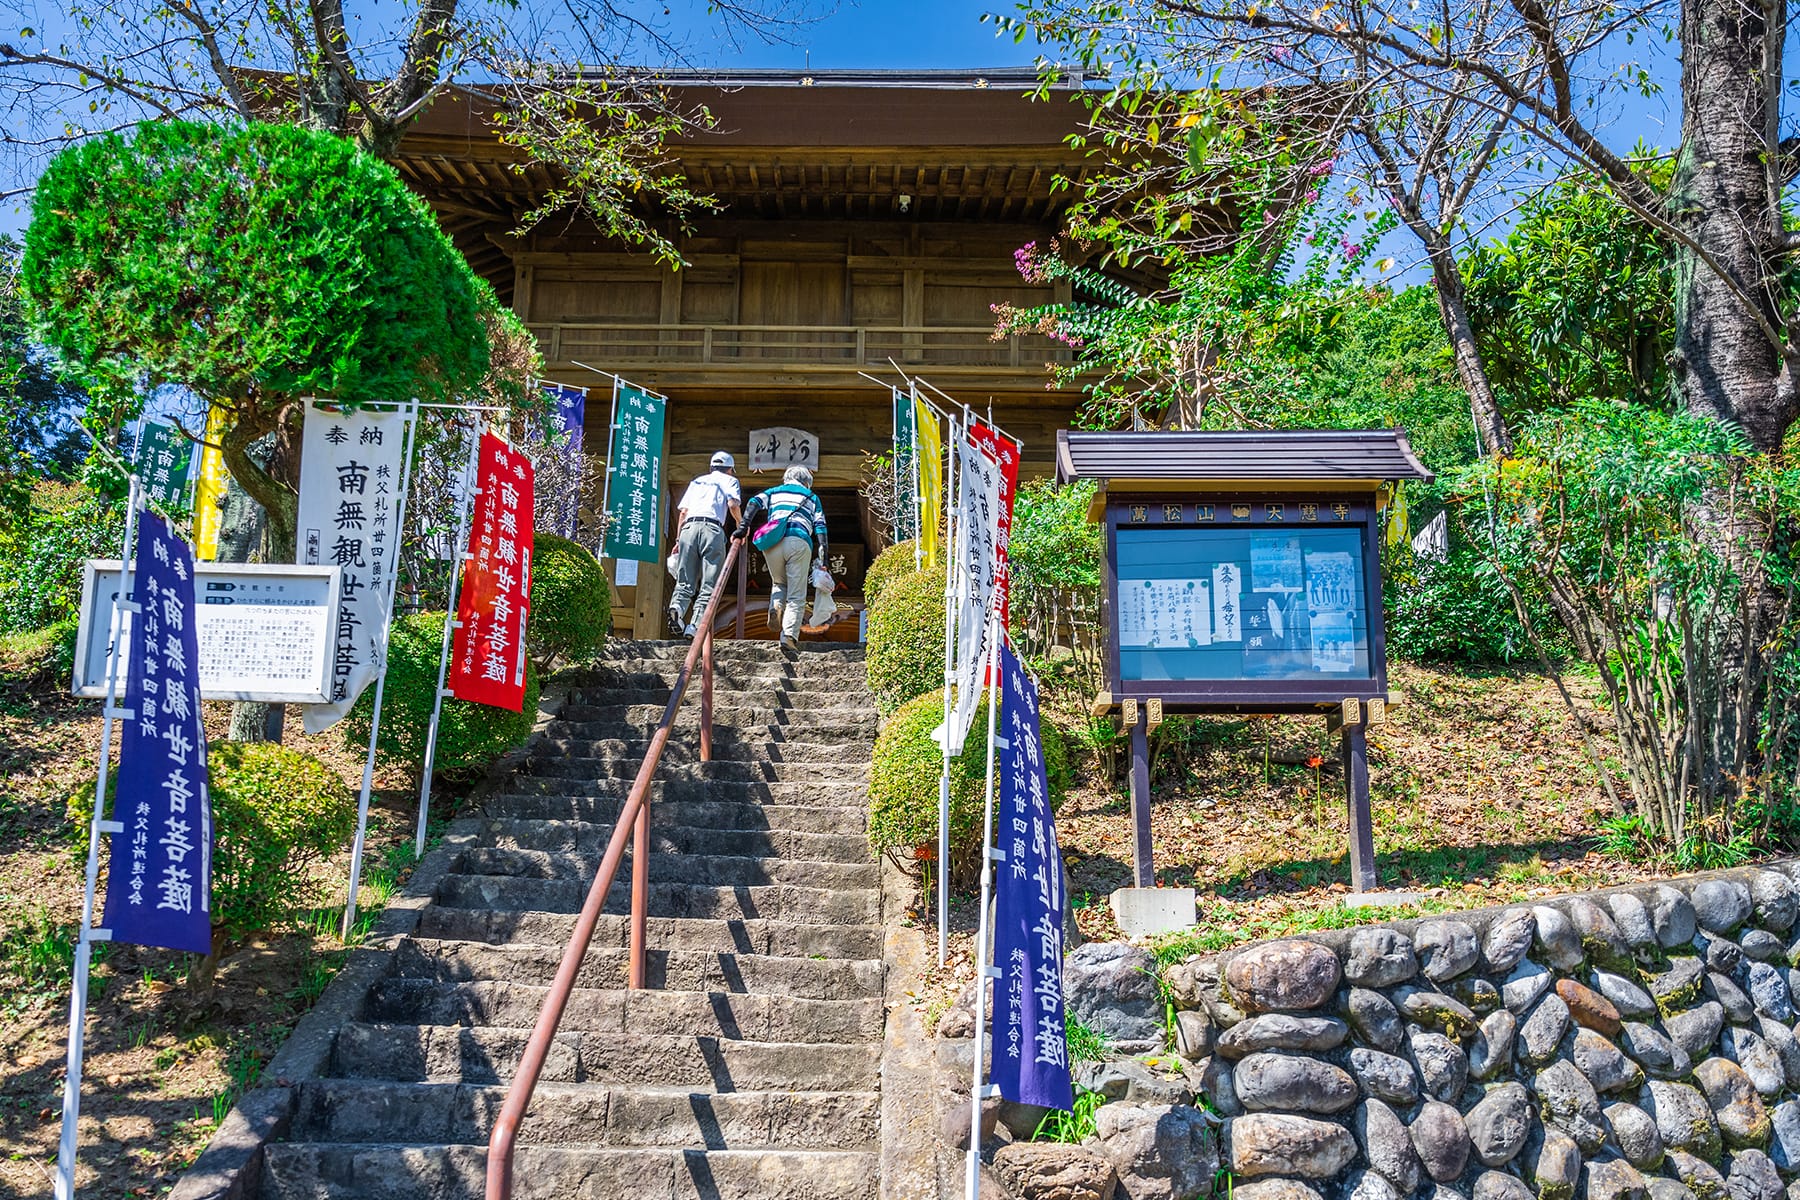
(459, 555)
(387, 620)
(952, 527)
(84, 948)
(612, 428)
(985, 971)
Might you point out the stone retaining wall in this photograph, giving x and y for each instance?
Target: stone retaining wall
(1633, 1044)
(1638, 1044)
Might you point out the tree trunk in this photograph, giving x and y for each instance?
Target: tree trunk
(1729, 358)
(1484, 405)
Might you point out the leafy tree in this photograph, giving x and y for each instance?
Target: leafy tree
(255, 264)
(1576, 302)
(37, 429)
(555, 82)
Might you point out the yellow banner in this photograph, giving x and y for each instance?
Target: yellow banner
(931, 479)
(209, 488)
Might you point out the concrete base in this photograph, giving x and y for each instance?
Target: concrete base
(1383, 899)
(1146, 912)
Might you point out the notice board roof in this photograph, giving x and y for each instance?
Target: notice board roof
(1310, 460)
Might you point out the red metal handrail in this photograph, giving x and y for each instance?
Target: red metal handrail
(634, 822)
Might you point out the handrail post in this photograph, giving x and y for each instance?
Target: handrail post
(706, 695)
(743, 583)
(640, 892)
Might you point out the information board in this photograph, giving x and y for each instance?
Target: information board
(265, 630)
(1242, 602)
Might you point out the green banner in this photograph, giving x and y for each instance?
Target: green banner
(162, 464)
(906, 504)
(634, 476)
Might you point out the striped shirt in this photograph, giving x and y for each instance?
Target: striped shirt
(798, 509)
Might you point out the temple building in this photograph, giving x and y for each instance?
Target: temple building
(866, 225)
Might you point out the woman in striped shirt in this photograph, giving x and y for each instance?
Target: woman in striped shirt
(787, 523)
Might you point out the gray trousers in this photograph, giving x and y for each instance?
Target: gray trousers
(790, 566)
(699, 553)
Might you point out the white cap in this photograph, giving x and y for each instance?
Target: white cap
(722, 458)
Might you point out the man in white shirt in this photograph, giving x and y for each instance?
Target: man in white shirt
(700, 542)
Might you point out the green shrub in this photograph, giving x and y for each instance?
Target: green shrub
(276, 814)
(43, 548)
(470, 735)
(905, 655)
(571, 603)
(1457, 610)
(899, 559)
(903, 793)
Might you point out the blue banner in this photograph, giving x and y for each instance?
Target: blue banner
(159, 882)
(571, 418)
(1031, 1053)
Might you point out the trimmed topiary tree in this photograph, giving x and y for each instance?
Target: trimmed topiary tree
(903, 792)
(254, 264)
(905, 655)
(470, 736)
(571, 602)
(899, 559)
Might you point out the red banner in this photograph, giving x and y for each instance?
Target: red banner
(1004, 451)
(487, 662)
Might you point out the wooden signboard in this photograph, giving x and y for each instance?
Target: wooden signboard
(1243, 574)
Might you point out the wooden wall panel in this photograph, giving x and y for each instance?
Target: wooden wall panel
(877, 298)
(597, 299)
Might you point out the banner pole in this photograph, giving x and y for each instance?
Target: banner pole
(985, 971)
(459, 556)
(952, 527)
(612, 433)
(84, 948)
(411, 442)
(918, 513)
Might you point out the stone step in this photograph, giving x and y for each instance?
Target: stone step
(717, 870)
(591, 840)
(608, 969)
(780, 939)
(569, 800)
(490, 1054)
(575, 776)
(810, 654)
(308, 1171)
(609, 760)
(728, 747)
(728, 1015)
(749, 720)
(350, 1110)
(773, 902)
(769, 693)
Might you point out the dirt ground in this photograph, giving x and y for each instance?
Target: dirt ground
(164, 1064)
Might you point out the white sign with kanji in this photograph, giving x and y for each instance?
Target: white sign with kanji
(780, 447)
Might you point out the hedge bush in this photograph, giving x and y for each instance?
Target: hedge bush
(276, 814)
(470, 736)
(571, 602)
(903, 794)
(899, 559)
(42, 550)
(905, 652)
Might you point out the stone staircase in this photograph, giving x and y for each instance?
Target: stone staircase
(748, 1070)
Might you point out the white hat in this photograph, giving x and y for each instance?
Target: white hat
(722, 458)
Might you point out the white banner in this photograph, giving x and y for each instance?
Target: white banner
(977, 568)
(350, 479)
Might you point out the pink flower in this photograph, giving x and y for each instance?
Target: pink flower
(1312, 195)
(1323, 168)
